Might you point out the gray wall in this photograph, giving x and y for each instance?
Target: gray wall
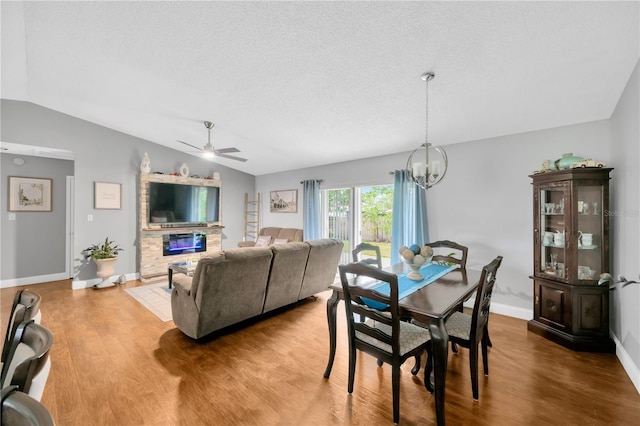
(34, 243)
(105, 155)
(625, 221)
(485, 201)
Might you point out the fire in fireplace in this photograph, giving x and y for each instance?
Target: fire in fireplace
(188, 242)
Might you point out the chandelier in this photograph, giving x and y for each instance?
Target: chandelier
(428, 164)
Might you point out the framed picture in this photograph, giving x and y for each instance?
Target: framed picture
(28, 194)
(285, 201)
(108, 195)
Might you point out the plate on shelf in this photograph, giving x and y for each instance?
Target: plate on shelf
(588, 247)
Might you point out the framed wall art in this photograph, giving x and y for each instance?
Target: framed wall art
(107, 195)
(27, 194)
(285, 201)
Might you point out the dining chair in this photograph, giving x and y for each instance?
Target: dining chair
(18, 408)
(469, 331)
(358, 257)
(28, 363)
(25, 307)
(382, 334)
(442, 253)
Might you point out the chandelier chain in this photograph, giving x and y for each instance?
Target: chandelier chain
(426, 131)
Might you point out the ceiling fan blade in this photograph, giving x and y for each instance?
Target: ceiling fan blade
(192, 146)
(225, 150)
(231, 157)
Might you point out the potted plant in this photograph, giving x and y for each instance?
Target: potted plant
(104, 255)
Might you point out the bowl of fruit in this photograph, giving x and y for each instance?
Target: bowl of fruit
(416, 256)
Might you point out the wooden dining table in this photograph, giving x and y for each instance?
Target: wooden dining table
(431, 305)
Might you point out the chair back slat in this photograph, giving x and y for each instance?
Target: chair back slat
(480, 316)
(442, 255)
(28, 356)
(358, 288)
(368, 260)
(26, 306)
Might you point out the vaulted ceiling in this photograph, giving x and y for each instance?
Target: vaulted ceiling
(300, 84)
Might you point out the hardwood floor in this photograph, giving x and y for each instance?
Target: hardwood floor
(115, 363)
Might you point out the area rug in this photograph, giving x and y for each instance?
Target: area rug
(154, 297)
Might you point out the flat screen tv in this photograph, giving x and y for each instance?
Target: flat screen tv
(172, 203)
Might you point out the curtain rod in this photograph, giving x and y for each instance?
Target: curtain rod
(319, 181)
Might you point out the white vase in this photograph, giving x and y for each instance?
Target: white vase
(105, 271)
(145, 165)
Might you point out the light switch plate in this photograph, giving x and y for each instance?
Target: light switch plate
(12, 216)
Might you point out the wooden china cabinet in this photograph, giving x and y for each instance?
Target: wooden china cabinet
(570, 251)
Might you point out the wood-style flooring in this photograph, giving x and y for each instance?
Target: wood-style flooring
(116, 363)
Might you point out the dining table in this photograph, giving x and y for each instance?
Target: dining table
(430, 305)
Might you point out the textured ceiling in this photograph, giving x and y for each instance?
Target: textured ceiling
(299, 84)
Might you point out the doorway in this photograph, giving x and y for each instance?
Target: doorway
(359, 214)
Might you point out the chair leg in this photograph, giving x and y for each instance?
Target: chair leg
(428, 369)
(485, 357)
(395, 386)
(473, 366)
(486, 334)
(352, 368)
(454, 346)
(416, 366)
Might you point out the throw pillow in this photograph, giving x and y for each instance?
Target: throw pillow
(263, 241)
(280, 241)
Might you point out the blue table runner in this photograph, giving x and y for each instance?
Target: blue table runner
(431, 272)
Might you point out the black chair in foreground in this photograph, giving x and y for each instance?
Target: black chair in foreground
(19, 409)
(28, 362)
(382, 334)
(26, 307)
(358, 256)
(469, 331)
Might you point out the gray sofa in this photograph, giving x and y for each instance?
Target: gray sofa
(289, 234)
(241, 283)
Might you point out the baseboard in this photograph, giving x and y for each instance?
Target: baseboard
(15, 282)
(116, 279)
(627, 363)
(512, 311)
(501, 309)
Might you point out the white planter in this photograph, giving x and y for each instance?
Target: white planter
(105, 271)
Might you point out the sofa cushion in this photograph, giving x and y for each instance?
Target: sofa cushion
(280, 241)
(322, 265)
(263, 241)
(272, 232)
(291, 234)
(231, 286)
(287, 269)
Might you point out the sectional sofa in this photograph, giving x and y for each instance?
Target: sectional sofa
(270, 234)
(241, 283)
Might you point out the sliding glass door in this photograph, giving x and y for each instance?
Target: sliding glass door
(359, 214)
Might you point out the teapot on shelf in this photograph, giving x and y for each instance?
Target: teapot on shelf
(558, 238)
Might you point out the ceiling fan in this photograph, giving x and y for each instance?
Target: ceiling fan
(209, 151)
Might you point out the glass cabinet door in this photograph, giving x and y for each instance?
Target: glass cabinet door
(589, 203)
(553, 232)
